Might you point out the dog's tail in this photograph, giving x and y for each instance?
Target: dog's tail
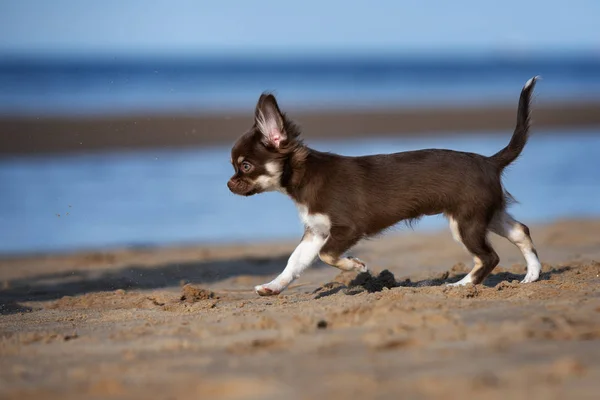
(519, 138)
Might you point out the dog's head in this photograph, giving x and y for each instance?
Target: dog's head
(258, 156)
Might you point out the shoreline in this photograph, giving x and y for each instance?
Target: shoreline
(27, 136)
(245, 248)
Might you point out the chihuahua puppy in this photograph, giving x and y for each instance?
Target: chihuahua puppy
(342, 200)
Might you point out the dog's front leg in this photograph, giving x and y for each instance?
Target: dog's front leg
(302, 257)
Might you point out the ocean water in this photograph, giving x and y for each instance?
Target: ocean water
(163, 197)
(39, 87)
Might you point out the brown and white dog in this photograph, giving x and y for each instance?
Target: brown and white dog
(344, 199)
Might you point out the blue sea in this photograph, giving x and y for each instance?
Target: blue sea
(165, 197)
(98, 87)
(177, 197)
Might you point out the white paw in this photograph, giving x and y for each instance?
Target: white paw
(268, 289)
(464, 281)
(531, 277)
(359, 265)
(533, 273)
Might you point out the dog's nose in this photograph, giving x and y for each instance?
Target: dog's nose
(230, 185)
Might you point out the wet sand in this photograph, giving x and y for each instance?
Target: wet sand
(44, 135)
(183, 323)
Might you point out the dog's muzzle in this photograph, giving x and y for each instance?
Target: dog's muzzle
(241, 188)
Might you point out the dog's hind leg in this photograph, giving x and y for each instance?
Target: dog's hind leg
(472, 233)
(505, 225)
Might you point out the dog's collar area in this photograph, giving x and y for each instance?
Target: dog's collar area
(286, 173)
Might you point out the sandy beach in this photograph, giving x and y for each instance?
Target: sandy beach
(128, 262)
(183, 322)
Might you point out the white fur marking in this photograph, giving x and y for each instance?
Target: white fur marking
(506, 226)
(303, 256)
(469, 277)
(272, 168)
(530, 81)
(518, 237)
(464, 281)
(261, 122)
(240, 159)
(317, 223)
(454, 230)
(269, 129)
(270, 181)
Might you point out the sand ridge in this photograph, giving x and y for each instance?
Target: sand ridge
(59, 135)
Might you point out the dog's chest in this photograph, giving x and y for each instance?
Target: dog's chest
(317, 223)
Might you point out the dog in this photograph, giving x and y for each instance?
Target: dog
(342, 199)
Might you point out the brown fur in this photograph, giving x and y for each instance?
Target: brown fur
(363, 196)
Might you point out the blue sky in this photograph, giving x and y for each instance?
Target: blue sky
(158, 27)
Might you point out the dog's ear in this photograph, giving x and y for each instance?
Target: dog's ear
(270, 121)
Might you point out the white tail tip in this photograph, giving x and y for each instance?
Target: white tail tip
(531, 81)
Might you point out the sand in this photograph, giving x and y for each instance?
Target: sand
(184, 323)
(57, 135)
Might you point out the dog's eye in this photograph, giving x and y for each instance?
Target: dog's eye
(246, 166)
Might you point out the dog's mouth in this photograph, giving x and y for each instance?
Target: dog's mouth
(242, 189)
(251, 192)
